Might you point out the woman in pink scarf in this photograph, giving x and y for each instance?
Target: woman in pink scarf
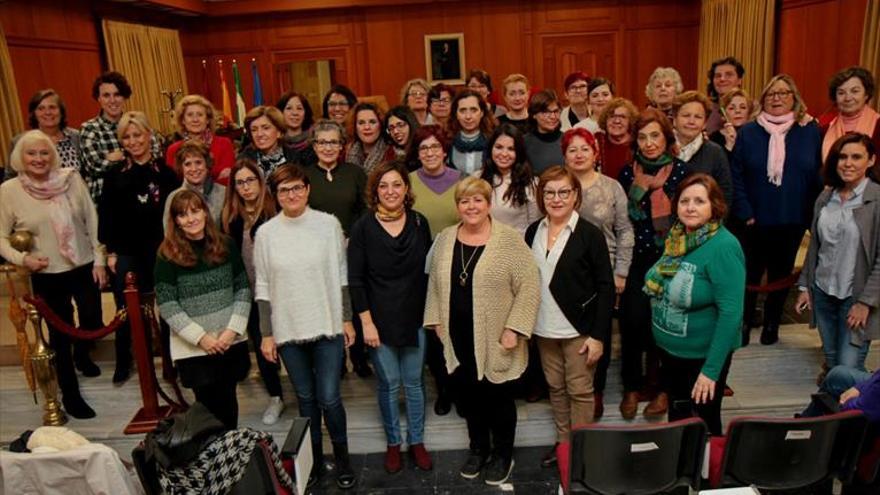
(66, 260)
(851, 90)
(775, 171)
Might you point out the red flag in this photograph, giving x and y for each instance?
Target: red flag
(227, 105)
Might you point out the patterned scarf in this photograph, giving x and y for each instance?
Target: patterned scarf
(649, 178)
(54, 190)
(678, 244)
(465, 145)
(376, 156)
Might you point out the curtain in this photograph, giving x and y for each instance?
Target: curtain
(10, 111)
(740, 28)
(152, 61)
(870, 56)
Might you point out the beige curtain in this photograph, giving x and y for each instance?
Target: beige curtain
(10, 111)
(152, 61)
(740, 28)
(870, 56)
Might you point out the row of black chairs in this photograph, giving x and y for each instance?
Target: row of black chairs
(775, 455)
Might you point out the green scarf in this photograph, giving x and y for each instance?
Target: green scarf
(636, 193)
(678, 244)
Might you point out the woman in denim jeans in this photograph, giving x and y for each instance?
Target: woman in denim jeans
(309, 327)
(841, 276)
(386, 260)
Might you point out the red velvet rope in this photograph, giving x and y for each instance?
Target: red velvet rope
(62, 326)
(782, 283)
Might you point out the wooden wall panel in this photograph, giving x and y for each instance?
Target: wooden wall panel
(817, 38)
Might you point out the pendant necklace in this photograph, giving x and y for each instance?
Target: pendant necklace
(463, 276)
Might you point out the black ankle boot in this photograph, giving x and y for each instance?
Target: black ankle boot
(345, 477)
(770, 335)
(746, 334)
(318, 465)
(85, 365)
(76, 406)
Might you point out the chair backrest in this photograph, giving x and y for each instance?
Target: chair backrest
(792, 454)
(636, 460)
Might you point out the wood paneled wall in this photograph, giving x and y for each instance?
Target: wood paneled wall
(377, 49)
(816, 39)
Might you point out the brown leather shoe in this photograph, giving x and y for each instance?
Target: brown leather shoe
(598, 406)
(629, 405)
(658, 406)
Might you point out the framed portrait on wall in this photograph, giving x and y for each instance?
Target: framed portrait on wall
(444, 58)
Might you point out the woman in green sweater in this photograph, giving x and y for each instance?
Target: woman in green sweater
(696, 291)
(203, 294)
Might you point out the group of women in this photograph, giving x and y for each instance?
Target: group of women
(454, 232)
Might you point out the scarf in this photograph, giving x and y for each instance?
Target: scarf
(649, 178)
(777, 127)
(54, 190)
(470, 145)
(386, 215)
(368, 163)
(678, 244)
(206, 137)
(865, 122)
(689, 150)
(271, 160)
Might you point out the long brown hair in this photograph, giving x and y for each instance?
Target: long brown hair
(233, 207)
(176, 248)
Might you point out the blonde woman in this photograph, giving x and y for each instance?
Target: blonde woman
(195, 119)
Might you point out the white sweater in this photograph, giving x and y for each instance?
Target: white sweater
(301, 269)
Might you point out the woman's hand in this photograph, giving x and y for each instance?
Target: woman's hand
(729, 133)
(269, 350)
(508, 339)
(224, 174)
(348, 331)
(99, 274)
(803, 302)
(593, 349)
(228, 336)
(371, 335)
(212, 345)
(114, 156)
(619, 284)
(704, 390)
(35, 263)
(111, 263)
(849, 394)
(858, 316)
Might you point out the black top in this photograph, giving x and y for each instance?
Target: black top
(713, 159)
(583, 282)
(236, 229)
(131, 207)
(461, 305)
(386, 275)
(343, 196)
(524, 125)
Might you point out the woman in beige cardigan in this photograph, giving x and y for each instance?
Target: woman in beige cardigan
(483, 268)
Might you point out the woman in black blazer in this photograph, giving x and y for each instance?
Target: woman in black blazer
(577, 297)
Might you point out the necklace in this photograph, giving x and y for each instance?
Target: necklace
(327, 171)
(463, 276)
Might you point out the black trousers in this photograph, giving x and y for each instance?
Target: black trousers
(58, 290)
(489, 410)
(600, 376)
(268, 371)
(221, 400)
(437, 365)
(679, 376)
(772, 250)
(636, 337)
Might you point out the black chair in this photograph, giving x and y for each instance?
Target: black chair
(637, 460)
(780, 454)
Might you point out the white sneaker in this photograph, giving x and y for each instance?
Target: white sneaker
(273, 411)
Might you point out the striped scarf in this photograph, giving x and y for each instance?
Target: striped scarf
(678, 244)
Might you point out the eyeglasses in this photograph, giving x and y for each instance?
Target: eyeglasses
(578, 88)
(562, 194)
(333, 103)
(397, 127)
(327, 144)
(779, 94)
(246, 182)
(445, 101)
(477, 87)
(425, 148)
(417, 94)
(295, 189)
(550, 113)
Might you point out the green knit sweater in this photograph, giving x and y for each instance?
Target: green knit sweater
(700, 313)
(202, 299)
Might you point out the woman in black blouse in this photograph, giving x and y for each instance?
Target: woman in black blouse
(386, 259)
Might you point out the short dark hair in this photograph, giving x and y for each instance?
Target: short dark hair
(737, 65)
(285, 173)
(437, 90)
(422, 133)
(38, 98)
(600, 81)
(192, 147)
(716, 195)
(339, 90)
(845, 75)
(482, 76)
(558, 172)
(372, 190)
(115, 78)
(308, 118)
(831, 176)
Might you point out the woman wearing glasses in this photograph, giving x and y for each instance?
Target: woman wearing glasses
(776, 179)
(337, 104)
(577, 296)
(414, 95)
(616, 140)
(578, 108)
(480, 81)
(542, 143)
(440, 104)
(400, 128)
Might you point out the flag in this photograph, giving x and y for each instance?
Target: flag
(227, 106)
(258, 90)
(240, 109)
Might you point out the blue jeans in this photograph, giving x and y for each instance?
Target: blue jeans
(314, 371)
(395, 366)
(836, 382)
(831, 317)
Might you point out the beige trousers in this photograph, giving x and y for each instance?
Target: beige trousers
(570, 382)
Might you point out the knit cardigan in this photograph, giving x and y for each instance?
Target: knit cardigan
(202, 299)
(507, 293)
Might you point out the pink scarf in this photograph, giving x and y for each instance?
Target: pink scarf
(865, 122)
(54, 190)
(777, 127)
